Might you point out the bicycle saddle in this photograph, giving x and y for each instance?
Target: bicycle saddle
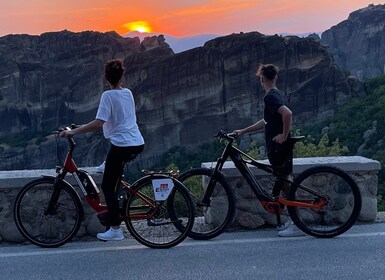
(295, 139)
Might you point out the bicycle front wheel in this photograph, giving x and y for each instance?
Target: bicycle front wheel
(47, 228)
(343, 201)
(157, 223)
(210, 219)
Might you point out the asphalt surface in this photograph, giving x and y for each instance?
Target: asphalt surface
(260, 254)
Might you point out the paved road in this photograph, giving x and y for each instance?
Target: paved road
(358, 254)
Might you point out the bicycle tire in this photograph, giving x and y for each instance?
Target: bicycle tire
(42, 229)
(212, 220)
(343, 202)
(161, 230)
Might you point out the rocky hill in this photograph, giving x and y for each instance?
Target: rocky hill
(182, 99)
(358, 43)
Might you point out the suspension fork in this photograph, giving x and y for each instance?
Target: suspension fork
(214, 174)
(209, 190)
(54, 197)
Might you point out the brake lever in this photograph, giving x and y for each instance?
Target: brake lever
(233, 135)
(73, 126)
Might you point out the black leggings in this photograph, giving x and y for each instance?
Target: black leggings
(116, 158)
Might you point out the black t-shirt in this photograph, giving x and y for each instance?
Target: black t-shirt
(274, 99)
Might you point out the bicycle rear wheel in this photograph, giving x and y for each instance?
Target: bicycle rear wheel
(156, 223)
(343, 201)
(212, 219)
(42, 228)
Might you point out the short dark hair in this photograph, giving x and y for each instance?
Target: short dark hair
(113, 71)
(268, 71)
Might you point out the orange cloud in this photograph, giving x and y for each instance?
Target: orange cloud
(175, 17)
(217, 7)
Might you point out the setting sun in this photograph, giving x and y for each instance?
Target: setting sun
(140, 26)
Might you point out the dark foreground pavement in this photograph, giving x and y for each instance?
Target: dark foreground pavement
(357, 254)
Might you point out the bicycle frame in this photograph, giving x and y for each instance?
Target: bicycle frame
(270, 203)
(156, 209)
(70, 166)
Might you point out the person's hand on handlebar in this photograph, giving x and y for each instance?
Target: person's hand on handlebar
(66, 133)
(237, 133)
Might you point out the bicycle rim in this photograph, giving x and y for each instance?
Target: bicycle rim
(159, 227)
(343, 201)
(210, 220)
(47, 229)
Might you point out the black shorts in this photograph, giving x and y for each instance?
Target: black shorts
(281, 155)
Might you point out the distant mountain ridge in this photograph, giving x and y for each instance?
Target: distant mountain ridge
(180, 44)
(177, 44)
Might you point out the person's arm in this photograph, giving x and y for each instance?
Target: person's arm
(89, 127)
(257, 126)
(287, 121)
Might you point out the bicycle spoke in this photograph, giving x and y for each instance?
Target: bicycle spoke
(342, 206)
(46, 229)
(210, 219)
(159, 226)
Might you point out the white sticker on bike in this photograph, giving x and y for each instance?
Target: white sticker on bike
(162, 188)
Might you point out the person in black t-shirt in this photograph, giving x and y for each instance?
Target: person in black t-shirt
(277, 120)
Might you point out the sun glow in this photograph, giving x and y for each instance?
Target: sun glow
(140, 26)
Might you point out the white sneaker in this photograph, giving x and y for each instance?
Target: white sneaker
(284, 225)
(291, 231)
(111, 234)
(100, 168)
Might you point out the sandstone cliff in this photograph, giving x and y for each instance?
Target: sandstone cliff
(358, 43)
(182, 99)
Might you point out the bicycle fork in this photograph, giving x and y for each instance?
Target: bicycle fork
(206, 199)
(53, 202)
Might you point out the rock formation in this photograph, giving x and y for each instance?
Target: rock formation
(358, 43)
(182, 99)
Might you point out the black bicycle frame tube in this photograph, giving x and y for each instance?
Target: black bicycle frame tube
(236, 156)
(241, 165)
(218, 167)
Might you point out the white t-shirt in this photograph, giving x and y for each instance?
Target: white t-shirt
(117, 110)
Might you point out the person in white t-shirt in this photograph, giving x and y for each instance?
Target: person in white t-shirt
(116, 114)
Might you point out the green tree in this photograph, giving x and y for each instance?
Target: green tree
(324, 148)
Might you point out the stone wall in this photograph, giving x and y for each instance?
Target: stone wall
(251, 215)
(10, 184)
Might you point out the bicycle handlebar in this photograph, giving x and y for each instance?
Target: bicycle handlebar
(228, 136)
(70, 138)
(70, 127)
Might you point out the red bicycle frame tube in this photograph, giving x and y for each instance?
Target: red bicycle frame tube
(69, 164)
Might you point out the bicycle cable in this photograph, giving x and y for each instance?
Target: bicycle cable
(57, 150)
(219, 149)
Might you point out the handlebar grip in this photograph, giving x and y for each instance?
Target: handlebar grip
(228, 136)
(73, 126)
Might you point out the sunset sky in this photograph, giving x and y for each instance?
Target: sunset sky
(177, 18)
